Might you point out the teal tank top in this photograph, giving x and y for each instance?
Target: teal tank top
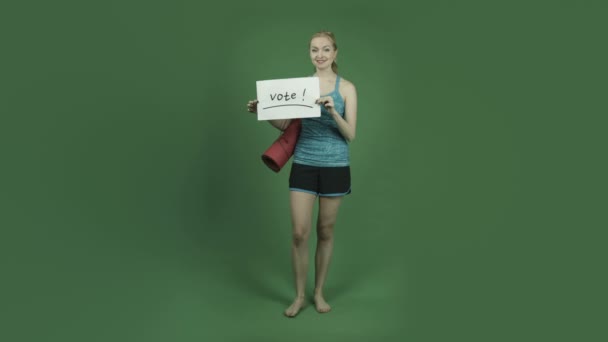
(320, 142)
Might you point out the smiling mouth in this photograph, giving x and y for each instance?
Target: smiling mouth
(321, 61)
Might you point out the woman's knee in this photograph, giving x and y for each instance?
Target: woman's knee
(300, 236)
(325, 231)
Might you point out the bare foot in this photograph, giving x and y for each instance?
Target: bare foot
(321, 304)
(295, 307)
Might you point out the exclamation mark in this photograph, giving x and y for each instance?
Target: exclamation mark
(303, 94)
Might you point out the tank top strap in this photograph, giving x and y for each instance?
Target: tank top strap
(337, 83)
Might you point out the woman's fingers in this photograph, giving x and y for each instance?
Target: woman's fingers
(252, 106)
(326, 101)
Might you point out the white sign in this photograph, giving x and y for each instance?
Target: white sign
(288, 98)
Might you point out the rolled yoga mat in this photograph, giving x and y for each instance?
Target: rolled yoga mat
(277, 155)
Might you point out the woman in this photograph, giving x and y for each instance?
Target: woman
(320, 168)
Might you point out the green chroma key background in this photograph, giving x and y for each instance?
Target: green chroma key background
(135, 206)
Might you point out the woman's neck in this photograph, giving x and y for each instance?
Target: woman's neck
(325, 73)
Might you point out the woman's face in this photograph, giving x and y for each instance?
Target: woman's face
(322, 52)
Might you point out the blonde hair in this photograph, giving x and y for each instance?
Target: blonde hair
(330, 35)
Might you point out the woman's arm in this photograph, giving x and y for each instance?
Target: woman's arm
(348, 124)
(280, 124)
(252, 107)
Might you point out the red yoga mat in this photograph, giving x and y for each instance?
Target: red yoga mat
(277, 155)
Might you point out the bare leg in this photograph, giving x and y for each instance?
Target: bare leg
(301, 218)
(328, 211)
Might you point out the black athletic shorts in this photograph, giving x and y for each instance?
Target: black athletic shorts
(320, 181)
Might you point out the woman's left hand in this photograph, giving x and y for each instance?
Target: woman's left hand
(327, 102)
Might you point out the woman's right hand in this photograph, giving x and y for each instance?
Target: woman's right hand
(252, 106)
